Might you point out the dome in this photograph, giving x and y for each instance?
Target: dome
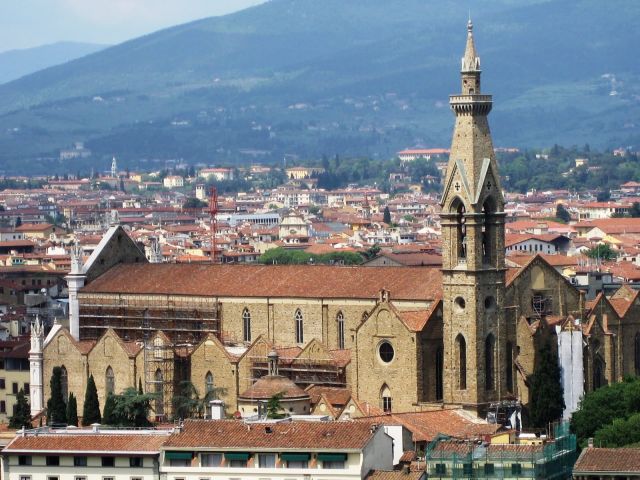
(271, 385)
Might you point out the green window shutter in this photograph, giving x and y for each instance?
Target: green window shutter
(332, 457)
(236, 456)
(295, 457)
(178, 455)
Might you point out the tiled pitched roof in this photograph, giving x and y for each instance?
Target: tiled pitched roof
(425, 426)
(304, 281)
(133, 443)
(394, 475)
(334, 395)
(614, 460)
(233, 434)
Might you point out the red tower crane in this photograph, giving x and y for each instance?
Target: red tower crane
(213, 213)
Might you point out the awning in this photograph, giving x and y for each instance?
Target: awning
(295, 457)
(332, 457)
(178, 455)
(236, 456)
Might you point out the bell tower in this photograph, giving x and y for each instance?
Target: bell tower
(472, 219)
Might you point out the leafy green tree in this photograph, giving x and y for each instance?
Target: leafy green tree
(621, 432)
(193, 202)
(132, 409)
(72, 410)
(274, 406)
(22, 415)
(634, 211)
(562, 213)
(386, 216)
(546, 394)
(599, 408)
(603, 252)
(91, 409)
(56, 408)
(189, 404)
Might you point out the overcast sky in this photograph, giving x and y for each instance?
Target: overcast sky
(28, 23)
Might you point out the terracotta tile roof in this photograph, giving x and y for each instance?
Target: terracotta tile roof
(408, 456)
(620, 305)
(394, 475)
(138, 443)
(341, 358)
(614, 460)
(425, 426)
(415, 320)
(334, 395)
(414, 283)
(232, 434)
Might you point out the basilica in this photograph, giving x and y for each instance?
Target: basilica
(382, 339)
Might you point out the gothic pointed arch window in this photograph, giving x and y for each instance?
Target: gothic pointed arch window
(340, 328)
(385, 398)
(508, 358)
(461, 350)
(208, 383)
(109, 381)
(489, 362)
(159, 391)
(246, 325)
(299, 326)
(488, 211)
(64, 383)
(461, 229)
(637, 353)
(598, 372)
(439, 372)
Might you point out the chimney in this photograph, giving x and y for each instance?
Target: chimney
(590, 442)
(95, 427)
(406, 469)
(217, 409)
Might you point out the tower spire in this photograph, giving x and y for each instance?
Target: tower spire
(470, 61)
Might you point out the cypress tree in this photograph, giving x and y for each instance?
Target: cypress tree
(91, 410)
(140, 391)
(108, 416)
(547, 400)
(72, 410)
(22, 416)
(56, 408)
(386, 216)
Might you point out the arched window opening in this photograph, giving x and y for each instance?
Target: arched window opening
(385, 398)
(598, 372)
(340, 326)
(246, 325)
(637, 353)
(461, 232)
(489, 362)
(159, 391)
(208, 383)
(64, 383)
(509, 366)
(461, 346)
(439, 372)
(299, 327)
(487, 228)
(109, 381)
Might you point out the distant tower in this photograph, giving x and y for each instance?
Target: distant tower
(201, 191)
(75, 281)
(474, 328)
(36, 392)
(156, 251)
(114, 168)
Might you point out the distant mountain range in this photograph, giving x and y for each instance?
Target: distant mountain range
(18, 63)
(357, 77)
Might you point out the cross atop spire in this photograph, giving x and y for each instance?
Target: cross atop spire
(470, 61)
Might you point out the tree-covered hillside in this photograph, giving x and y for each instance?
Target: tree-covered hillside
(364, 77)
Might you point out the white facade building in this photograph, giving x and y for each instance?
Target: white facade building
(337, 450)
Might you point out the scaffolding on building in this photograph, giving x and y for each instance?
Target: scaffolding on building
(457, 459)
(302, 371)
(182, 319)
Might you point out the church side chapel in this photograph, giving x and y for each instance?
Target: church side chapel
(344, 341)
